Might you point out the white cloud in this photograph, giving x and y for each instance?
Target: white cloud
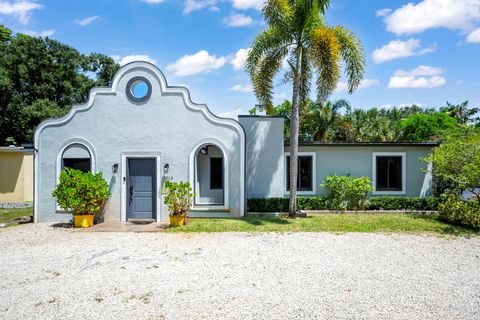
(383, 12)
(44, 33)
(239, 59)
(241, 88)
(152, 1)
(86, 21)
(474, 36)
(134, 57)
(199, 62)
(366, 83)
(430, 14)
(193, 5)
(20, 10)
(420, 77)
(238, 20)
(400, 49)
(232, 114)
(248, 4)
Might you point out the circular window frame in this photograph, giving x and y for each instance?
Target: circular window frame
(129, 90)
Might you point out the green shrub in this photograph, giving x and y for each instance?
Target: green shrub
(311, 203)
(456, 210)
(268, 205)
(322, 203)
(403, 203)
(347, 192)
(178, 197)
(81, 193)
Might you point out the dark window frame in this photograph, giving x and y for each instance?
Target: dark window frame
(217, 183)
(75, 166)
(386, 180)
(300, 187)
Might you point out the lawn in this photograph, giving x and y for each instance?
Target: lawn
(7, 216)
(329, 223)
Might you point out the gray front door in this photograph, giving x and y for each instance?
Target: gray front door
(141, 186)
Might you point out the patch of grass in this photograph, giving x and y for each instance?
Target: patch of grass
(403, 223)
(8, 215)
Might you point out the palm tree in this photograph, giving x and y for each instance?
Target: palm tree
(297, 31)
(461, 112)
(320, 118)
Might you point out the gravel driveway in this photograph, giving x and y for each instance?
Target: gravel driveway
(48, 273)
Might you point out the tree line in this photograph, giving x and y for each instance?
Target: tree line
(42, 78)
(337, 121)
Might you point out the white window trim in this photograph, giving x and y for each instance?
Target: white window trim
(158, 192)
(226, 173)
(314, 174)
(404, 173)
(58, 170)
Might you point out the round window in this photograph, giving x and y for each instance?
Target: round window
(139, 89)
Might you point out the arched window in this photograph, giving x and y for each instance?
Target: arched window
(209, 176)
(77, 156)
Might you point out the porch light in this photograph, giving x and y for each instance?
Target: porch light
(165, 168)
(115, 168)
(204, 150)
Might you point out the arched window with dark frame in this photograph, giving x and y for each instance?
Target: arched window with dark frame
(209, 176)
(77, 156)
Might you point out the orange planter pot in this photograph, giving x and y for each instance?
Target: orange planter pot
(83, 221)
(176, 221)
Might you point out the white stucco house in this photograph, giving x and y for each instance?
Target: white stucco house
(140, 132)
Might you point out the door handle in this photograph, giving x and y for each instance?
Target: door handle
(131, 194)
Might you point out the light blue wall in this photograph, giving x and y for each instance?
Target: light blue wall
(264, 162)
(168, 124)
(357, 161)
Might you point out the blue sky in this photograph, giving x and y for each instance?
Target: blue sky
(424, 51)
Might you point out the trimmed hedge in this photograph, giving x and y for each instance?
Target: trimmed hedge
(403, 203)
(321, 203)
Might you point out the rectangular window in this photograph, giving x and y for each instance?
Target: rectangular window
(305, 173)
(82, 164)
(389, 173)
(216, 173)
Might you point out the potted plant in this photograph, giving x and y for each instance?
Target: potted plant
(81, 193)
(178, 198)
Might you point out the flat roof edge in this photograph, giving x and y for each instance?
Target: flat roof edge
(366, 144)
(259, 116)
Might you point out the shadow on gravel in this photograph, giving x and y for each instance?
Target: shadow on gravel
(62, 225)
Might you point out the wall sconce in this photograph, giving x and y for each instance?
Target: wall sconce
(115, 168)
(166, 167)
(204, 150)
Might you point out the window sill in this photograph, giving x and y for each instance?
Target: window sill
(389, 193)
(303, 193)
(210, 209)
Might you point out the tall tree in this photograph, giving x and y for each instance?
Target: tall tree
(41, 78)
(297, 31)
(321, 118)
(462, 112)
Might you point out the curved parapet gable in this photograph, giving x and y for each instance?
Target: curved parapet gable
(165, 90)
(117, 119)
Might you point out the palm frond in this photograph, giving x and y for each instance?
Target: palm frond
(265, 71)
(353, 55)
(278, 13)
(325, 54)
(268, 40)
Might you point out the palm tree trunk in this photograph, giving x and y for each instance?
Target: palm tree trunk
(294, 128)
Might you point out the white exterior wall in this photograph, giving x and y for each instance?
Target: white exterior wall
(168, 126)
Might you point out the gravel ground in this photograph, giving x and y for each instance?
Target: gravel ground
(48, 273)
